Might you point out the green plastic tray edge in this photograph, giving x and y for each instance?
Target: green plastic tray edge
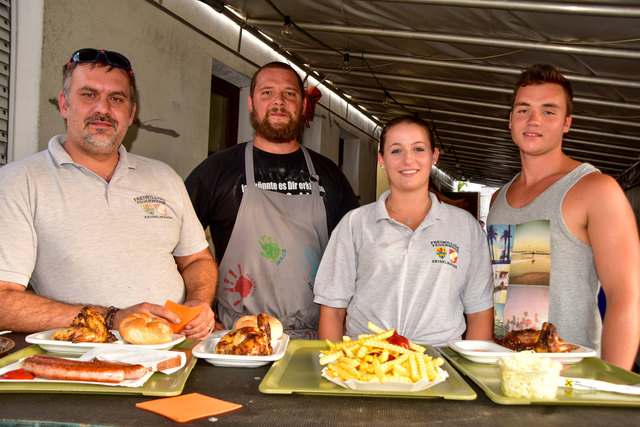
(592, 363)
(158, 385)
(270, 383)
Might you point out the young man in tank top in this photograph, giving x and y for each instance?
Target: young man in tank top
(270, 205)
(560, 230)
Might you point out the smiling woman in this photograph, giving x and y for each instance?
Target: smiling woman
(407, 154)
(408, 261)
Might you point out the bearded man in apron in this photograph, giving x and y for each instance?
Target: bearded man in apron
(270, 205)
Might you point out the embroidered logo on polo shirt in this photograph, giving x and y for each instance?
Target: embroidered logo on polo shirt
(153, 206)
(446, 252)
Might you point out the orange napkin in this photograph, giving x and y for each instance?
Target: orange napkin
(185, 313)
(188, 407)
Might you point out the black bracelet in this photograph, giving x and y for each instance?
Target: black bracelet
(111, 313)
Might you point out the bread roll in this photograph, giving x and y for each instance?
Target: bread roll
(252, 320)
(140, 328)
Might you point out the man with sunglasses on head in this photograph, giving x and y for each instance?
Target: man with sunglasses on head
(87, 223)
(270, 205)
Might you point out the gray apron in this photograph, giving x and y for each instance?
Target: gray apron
(273, 255)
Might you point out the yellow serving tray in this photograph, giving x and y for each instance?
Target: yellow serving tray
(299, 372)
(158, 385)
(487, 377)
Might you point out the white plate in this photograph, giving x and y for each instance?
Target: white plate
(43, 339)
(389, 385)
(207, 350)
(480, 351)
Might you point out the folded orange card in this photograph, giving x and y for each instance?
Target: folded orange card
(185, 313)
(188, 407)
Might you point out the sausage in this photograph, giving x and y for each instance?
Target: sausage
(57, 368)
(131, 371)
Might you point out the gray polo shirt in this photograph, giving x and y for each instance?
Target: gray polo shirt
(421, 283)
(79, 239)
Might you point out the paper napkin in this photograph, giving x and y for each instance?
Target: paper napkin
(188, 407)
(185, 313)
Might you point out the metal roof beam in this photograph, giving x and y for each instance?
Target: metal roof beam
(575, 141)
(427, 97)
(506, 122)
(622, 11)
(469, 86)
(397, 93)
(563, 48)
(468, 144)
(464, 66)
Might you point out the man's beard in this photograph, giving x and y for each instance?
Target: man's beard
(279, 133)
(99, 139)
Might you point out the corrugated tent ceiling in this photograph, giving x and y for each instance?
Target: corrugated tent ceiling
(455, 63)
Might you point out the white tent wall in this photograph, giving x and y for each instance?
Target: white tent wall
(171, 44)
(173, 82)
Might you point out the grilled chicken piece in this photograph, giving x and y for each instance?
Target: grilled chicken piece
(87, 326)
(76, 334)
(545, 340)
(248, 341)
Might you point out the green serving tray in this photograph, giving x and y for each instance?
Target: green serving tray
(158, 385)
(300, 372)
(487, 377)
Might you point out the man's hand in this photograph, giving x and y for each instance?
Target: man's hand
(154, 310)
(201, 325)
(194, 330)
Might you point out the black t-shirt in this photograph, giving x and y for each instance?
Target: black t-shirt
(216, 186)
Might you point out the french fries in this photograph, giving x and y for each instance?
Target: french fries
(371, 358)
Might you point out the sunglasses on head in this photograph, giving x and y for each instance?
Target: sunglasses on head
(114, 59)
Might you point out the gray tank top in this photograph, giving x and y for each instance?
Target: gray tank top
(571, 278)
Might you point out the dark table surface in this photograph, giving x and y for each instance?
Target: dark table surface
(240, 385)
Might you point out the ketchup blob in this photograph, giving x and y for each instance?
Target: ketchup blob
(16, 374)
(399, 340)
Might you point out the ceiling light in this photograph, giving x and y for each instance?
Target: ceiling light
(386, 102)
(346, 66)
(287, 28)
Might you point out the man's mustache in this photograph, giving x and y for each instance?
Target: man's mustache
(102, 118)
(281, 110)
